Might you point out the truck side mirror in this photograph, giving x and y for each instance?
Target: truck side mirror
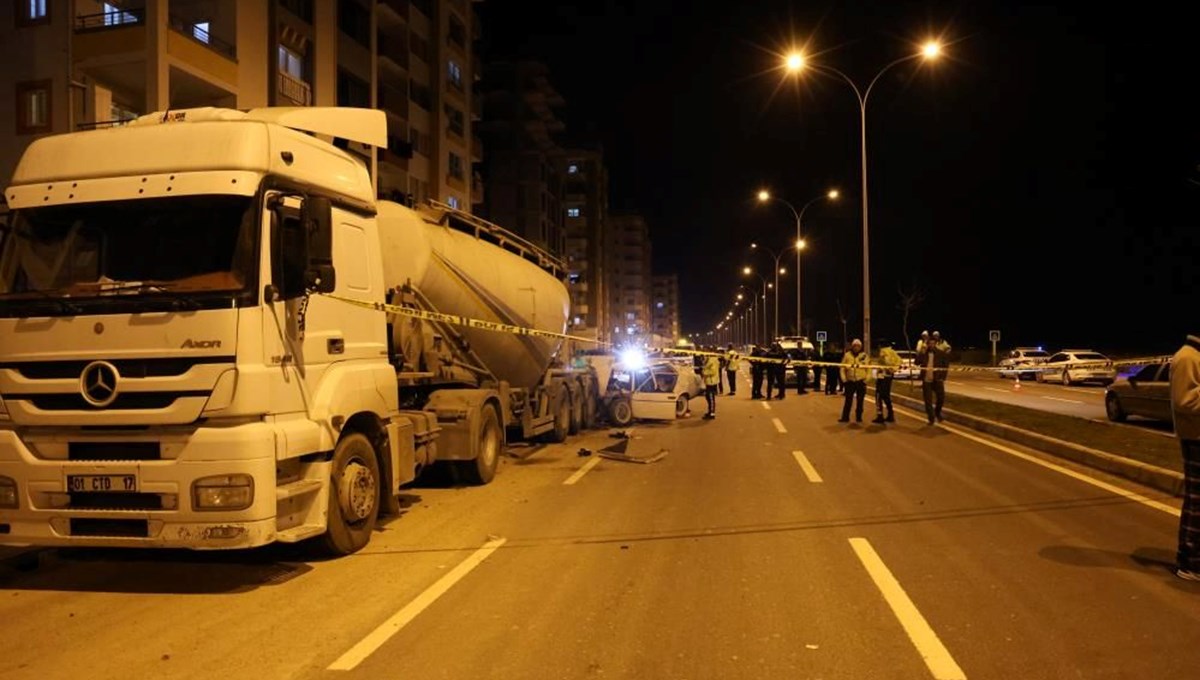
(316, 216)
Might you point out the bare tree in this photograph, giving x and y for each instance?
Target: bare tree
(909, 300)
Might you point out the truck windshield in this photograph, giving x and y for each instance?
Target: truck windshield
(195, 250)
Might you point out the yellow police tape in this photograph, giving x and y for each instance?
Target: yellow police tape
(495, 326)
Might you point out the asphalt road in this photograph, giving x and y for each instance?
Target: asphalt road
(772, 542)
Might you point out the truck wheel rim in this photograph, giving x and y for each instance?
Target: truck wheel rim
(358, 491)
(489, 447)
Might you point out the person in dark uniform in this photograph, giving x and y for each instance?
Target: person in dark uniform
(757, 372)
(833, 360)
(816, 386)
(800, 365)
(776, 371)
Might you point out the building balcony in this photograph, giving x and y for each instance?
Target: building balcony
(294, 91)
(476, 149)
(393, 52)
(109, 34)
(393, 12)
(392, 100)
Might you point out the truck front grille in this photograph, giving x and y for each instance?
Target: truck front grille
(83, 500)
(126, 401)
(128, 368)
(114, 451)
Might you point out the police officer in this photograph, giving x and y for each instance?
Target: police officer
(800, 365)
(933, 355)
(883, 382)
(733, 361)
(854, 376)
(757, 372)
(776, 371)
(832, 372)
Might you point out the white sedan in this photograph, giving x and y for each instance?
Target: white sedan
(1072, 366)
(659, 390)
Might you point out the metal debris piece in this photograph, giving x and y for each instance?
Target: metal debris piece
(662, 453)
(584, 452)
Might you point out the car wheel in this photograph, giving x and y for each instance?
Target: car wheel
(681, 405)
(1066, 377)
(1040, 377)
(620, 412)
(1112, 407)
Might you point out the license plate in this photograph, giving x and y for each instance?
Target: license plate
(101, 483)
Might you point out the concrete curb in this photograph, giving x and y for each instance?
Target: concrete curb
(1167, 481)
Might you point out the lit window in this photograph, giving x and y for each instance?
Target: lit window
(630, 316)
(572, 169)
(660, 305)
(35, 9)
(578, 320)
(113, 16)
(454, 71)
(291, 63)
(33, 107)
(200, 32)
(452, 201)
(572, 212)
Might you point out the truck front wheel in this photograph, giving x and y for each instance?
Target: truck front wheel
(353, 495)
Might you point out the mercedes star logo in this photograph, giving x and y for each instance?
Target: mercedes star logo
(98, 383)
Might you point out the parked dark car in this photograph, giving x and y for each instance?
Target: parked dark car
(1145, 392)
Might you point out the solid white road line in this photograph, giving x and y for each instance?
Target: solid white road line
(582, 471)
(1111, 488)
(779, 425)
(765, 405)
(931, 649)
(809, 470)
(1069, 401)
(376, 639)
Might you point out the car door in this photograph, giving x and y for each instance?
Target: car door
(1158, 395)
(654, 393)
(1052, 369)
(1136, 397)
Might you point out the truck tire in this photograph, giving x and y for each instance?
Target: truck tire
(562, 421)
(620, 412)
(589, 410)
(353, 495)
(577, 411)
(490, 446)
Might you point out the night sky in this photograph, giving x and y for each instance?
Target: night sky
(1041, 179)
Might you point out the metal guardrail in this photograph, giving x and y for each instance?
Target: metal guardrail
(495, 234)
(203, 37)
(296, 90)
(109, 20)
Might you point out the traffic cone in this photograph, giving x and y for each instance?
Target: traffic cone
(1017, 383)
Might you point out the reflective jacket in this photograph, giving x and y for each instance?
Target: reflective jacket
(733, 360)
(711, 371)
(853, 367)
(1185, 389)
(889, 358)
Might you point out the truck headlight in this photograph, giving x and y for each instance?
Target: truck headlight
(8, 492)
(223, 492)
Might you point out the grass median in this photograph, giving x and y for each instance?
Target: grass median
(1121, 440)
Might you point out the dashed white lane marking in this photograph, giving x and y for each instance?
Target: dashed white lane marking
(931, 649)
(996, 389)
(1069, 401)
(765, 405)
(1111, 488)
(779, 425)
(578, 474)
(376, 639)
(809, 470)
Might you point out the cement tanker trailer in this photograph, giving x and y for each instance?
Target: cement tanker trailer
(197, 348)
(439, 259)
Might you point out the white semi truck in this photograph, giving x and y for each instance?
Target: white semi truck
(196, 349)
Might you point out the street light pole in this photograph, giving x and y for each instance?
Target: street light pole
(795, 63)
(764, 196)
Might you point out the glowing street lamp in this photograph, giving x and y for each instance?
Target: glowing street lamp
(763, 197)
(794, 63)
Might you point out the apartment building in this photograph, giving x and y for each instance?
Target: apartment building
(664, 307)
(585, 200)
(627, 264)
(79, 64)
(524, 165)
